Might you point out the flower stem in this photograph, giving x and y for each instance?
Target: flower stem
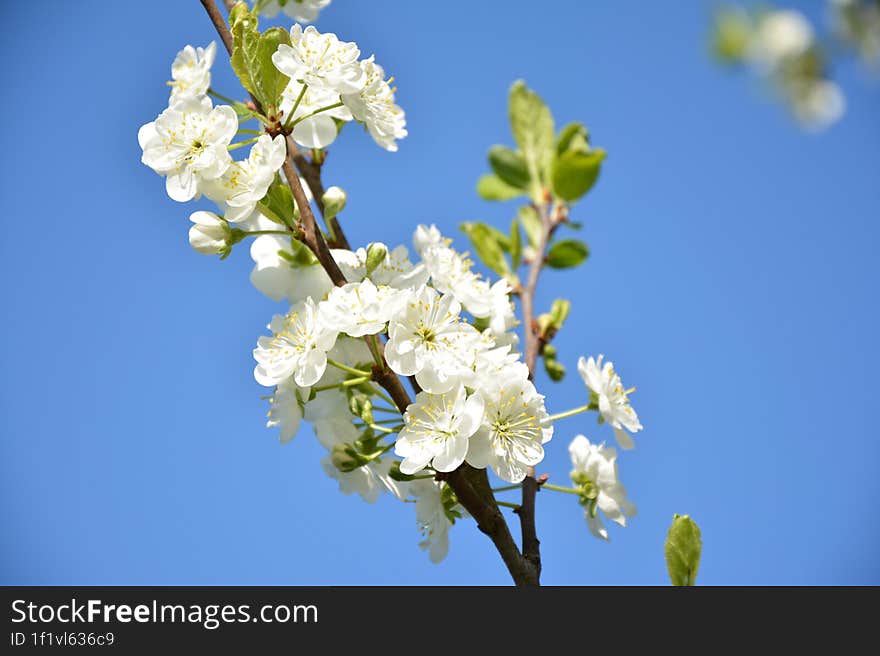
(572, 412)
(382, 395)
(507, 487)
(256, 132)
(381, 428)
(289, 122)
(311, 114)
(345, 383)
(390, 410)
(559, 488)
(507, 504)
(351, 382)
(242, 144)
(220, 96)
(347, 369)
(374, 350)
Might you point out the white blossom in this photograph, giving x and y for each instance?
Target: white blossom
(369, 481)
(360, 308)
(374, 106)
(209, 233)
(819, 104)
(395, 270)
(514, 428)
(188, 143)
(431, 517)
(285, 410)
(428, 340)
(428, 236)
(780, 36)
(321, 61)
(614, 405)
(451, 272)
(191, 72)
(595, 475)
(303, 11)
(298, 347)
(436, 430)
(331, 418)
(279, 276)
(245, 183)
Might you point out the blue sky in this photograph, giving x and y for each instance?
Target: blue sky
(733, 280)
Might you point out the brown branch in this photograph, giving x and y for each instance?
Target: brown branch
(531, 546)
(219, 23)
(471, 486)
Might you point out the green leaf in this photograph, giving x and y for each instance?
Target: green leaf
(573, 136)
(575, 173)
(532, 125)
(491, 187)
(509, 166)
(531, 223)
(245, 42)
(270, 80)
(515, 245)
(488, 246)
(684, 545)
(279, 201)
(567, 253)
(238, 12)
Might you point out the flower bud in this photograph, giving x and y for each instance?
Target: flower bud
(334, 200)
(346, 458)
(210, 235)
(376, 254)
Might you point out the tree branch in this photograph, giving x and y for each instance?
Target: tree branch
(531, 546)
(219, 23)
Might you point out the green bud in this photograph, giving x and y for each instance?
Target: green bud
(395, 474)
(361, 406)
(450, 503)
(555, 369)
(346, 458)
(375, 256)
(559, 312)
(684, 545)
(334, 200)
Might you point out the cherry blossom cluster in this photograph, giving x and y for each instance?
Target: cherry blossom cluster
(429, 318)
(189, 142)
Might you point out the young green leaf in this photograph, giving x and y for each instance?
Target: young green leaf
(573, 136)
(684, 544)
(574, 173)
(567, 253)
(245, 40)
(280, 204)
(488, 246)
(532, 125)
(491, 187)
(271, 81)
(509, 166)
